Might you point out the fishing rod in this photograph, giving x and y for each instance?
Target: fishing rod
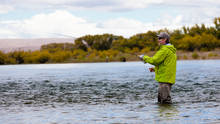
(145, 64)
(64, 35)
(136, 55)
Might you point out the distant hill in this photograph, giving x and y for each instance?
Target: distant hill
(7, 45)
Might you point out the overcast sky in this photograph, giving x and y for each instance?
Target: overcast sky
(63, 18)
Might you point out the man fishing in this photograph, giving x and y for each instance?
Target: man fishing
(165, 67)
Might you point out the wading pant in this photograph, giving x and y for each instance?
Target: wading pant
(164, 93)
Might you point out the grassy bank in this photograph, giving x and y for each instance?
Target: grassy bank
(182, 55)
(79, 56)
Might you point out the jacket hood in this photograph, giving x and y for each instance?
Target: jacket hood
(171, 48)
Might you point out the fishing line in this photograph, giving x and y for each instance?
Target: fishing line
(145, 67)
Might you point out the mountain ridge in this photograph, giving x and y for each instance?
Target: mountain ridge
(8, 45)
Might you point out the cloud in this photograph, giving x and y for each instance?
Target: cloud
(5, 9)
(172, 14)
(53, 24)
(196, 11)
(108, 5)
(122, 26)
(61, 23)
(7, 33)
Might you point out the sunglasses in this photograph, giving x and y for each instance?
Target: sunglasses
(160, 38)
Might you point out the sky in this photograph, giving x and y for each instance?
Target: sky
(76, 18)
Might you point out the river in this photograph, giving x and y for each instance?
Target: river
(107, 93)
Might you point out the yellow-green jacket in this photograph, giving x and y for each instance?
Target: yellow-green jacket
(165, 64)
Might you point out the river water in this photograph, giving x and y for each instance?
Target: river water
(107, 93)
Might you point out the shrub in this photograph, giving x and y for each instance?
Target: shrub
(10, 61)
(145, 50)
(195, 55)
(2, 58)
(122, 59)
(43, 58)
(210, 55)
(185, 57)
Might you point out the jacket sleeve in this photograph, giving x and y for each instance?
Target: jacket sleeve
(157, 58)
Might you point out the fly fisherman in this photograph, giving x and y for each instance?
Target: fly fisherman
(165, 67)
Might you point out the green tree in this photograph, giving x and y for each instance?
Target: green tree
(208, 42)
(80, 44)
(54, 47)
(189, 43)
(175, 37)
(217, 27)
(120, 44)
(143, 40)
(43, 57)
(2, 58)
(98, 42)
(18, 56)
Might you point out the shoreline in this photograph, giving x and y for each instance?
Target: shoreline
(128, 57)
(89, 62)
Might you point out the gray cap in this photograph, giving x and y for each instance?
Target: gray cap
(164, 35)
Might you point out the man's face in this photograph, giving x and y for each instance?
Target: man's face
(162, 41)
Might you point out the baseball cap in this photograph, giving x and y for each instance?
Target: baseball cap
(164, 35)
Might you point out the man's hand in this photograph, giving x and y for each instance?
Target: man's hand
(151, 69)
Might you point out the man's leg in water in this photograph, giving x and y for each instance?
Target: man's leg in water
(164, 93)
